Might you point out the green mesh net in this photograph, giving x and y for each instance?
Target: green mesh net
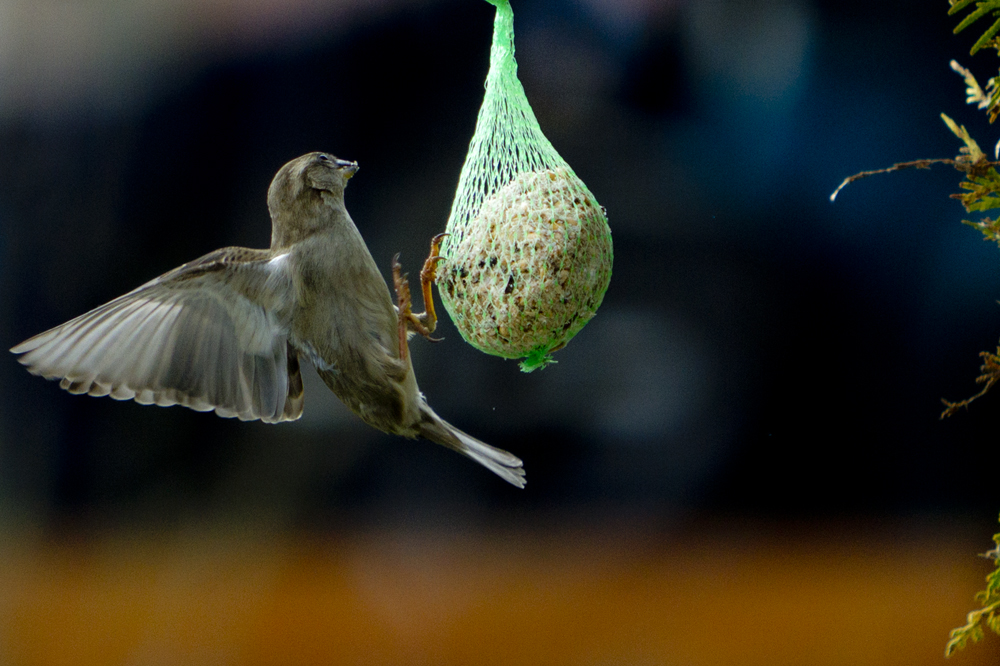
(528, 256)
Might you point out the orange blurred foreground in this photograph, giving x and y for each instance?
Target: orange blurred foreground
(504, 597)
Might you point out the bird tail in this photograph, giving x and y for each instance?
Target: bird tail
(505, 465)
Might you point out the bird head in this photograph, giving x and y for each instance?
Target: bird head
(315, 171)
(301, 189)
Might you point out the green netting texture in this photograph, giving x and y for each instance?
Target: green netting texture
(528, 257)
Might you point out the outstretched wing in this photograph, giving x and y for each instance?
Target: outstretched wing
(210, 335)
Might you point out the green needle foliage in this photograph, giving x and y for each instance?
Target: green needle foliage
(988, 8)
(988, 614)
(981, 193)
(982, 180)
(988, 39)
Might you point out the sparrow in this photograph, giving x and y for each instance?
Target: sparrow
(226, 332)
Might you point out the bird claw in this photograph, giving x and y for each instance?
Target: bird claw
(428, 274)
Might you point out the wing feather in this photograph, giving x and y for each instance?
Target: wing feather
(198, 336)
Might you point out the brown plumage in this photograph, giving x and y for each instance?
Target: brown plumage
(224, 333)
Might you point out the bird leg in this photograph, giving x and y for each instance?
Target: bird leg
(425, 322)
(402, 285)
(428, 275)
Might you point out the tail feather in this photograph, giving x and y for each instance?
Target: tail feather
(505, 465)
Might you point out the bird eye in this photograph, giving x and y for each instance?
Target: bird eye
(325, 158)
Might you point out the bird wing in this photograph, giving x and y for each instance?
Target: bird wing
(210, 335)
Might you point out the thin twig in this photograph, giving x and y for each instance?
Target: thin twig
(916, 164)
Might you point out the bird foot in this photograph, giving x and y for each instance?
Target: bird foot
(425, 322)
(428, 276)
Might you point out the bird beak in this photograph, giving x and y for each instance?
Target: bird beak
(350, 168)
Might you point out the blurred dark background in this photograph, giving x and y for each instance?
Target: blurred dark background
(761, 354)
(760, 349)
